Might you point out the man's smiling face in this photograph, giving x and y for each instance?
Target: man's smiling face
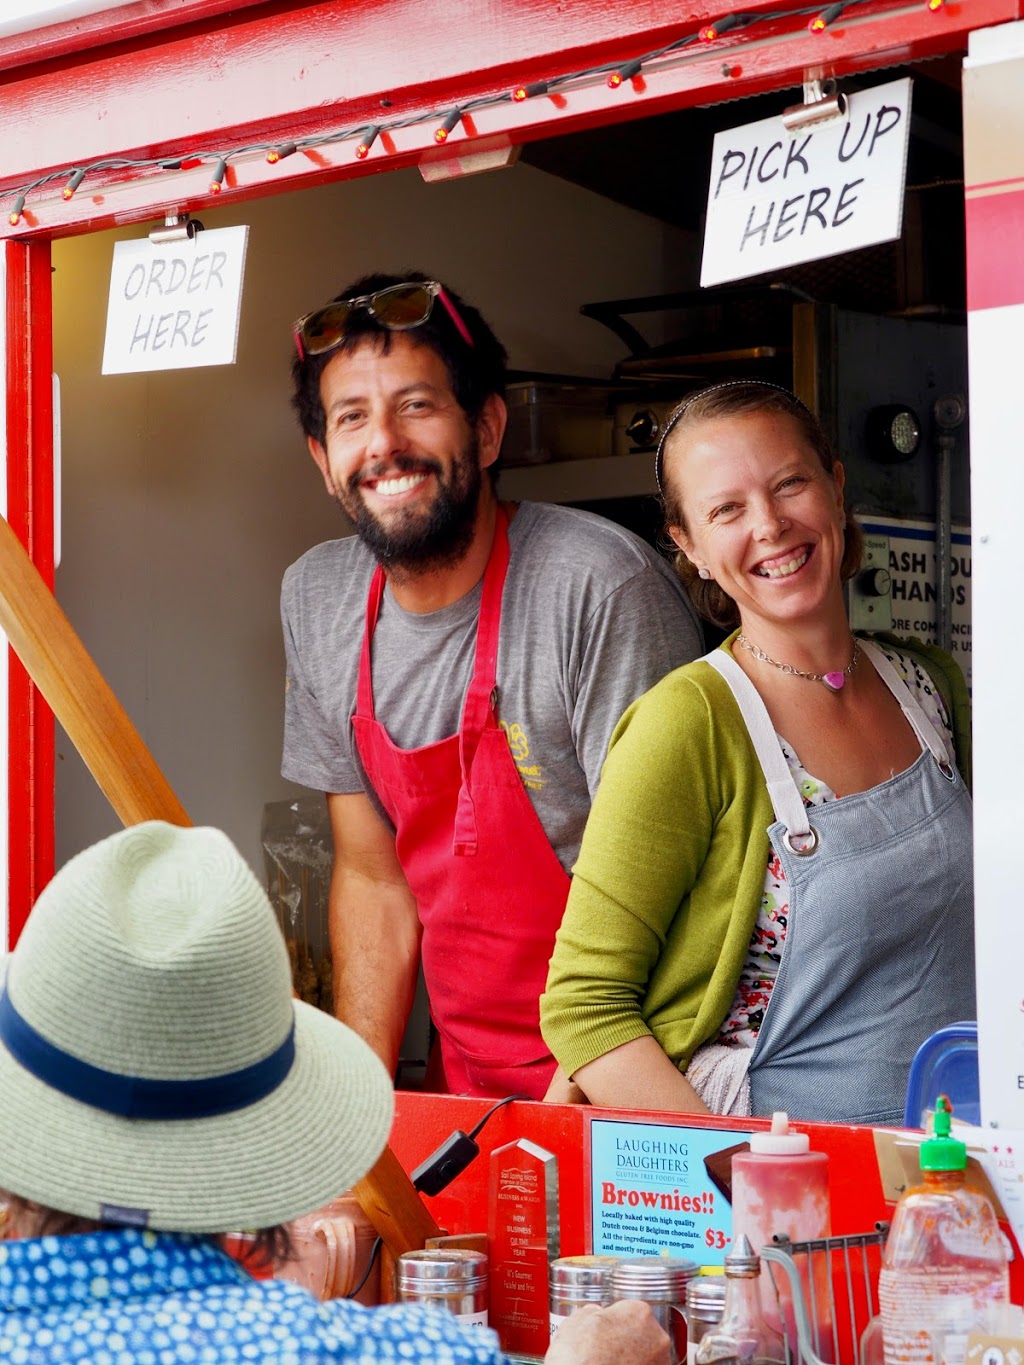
(400, 455)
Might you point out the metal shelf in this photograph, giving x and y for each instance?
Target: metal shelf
(612, 476)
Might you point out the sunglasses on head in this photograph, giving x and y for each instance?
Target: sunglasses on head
(398, 308)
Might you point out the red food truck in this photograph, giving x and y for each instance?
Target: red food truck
(553, 160)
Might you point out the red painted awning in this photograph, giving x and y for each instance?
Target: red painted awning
(147, 103)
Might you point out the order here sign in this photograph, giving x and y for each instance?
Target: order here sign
(175, 305)
(777, 198)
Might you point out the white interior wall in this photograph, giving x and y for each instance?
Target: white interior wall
(187, 493)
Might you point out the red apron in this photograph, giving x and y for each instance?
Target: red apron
(489, 888)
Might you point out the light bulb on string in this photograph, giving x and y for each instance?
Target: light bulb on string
(366, 142)
(828, 16)
(17, 210)
(74, 182)
(184, 163)
(219, 172)
(450, 122)
(277, 154)
(625, 73)
(710, 32)
(526, 92)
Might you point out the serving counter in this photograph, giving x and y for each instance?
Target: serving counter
(644, 1183)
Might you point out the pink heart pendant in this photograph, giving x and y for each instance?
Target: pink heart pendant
(833, 681)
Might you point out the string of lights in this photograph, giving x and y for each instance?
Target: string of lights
(617, 74)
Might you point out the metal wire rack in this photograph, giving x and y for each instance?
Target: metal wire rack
(832, 1283)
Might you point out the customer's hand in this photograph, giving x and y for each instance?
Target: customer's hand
(624, 1333)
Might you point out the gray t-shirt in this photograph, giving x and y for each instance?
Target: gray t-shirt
(591, 618)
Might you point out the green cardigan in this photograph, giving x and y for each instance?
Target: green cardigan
(666, 891)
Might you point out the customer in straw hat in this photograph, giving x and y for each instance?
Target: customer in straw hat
(159, 1086)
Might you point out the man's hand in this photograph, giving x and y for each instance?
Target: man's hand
(624, 1333)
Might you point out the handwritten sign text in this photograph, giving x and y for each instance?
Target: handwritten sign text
(777, 197)
(175, 305)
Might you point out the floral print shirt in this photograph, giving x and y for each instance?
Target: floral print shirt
(753, 991)
(128, 1297)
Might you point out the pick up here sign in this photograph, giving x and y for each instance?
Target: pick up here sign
(777, 198)
(175, 305)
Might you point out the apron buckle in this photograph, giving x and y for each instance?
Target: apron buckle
(809, 842)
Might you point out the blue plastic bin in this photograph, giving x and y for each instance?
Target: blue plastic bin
(945, 1064)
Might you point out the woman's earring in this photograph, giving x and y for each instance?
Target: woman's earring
(704, 573)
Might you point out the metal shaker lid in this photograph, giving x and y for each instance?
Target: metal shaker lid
(742, 1259)
(581, 1271)
(653, 1278)
(705, 1292)
(443, 1264)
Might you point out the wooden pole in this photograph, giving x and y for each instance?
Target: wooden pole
(127, 774)
(393, 1205)
(79, 696)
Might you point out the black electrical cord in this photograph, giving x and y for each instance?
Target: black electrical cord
(454, 1155)
(493, 1110)
(374, 1253)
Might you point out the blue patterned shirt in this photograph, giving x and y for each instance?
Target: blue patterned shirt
(127, 1297)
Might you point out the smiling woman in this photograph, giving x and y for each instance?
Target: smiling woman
(763, 518)
(759, 403)
(803, 916)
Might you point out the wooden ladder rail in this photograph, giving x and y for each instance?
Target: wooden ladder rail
(129, 777)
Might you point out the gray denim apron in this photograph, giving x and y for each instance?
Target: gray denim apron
(879, 949)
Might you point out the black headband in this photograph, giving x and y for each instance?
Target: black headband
(702, 393)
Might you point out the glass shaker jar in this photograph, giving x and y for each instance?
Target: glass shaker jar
(659, 1281)
(448, 1278)
(743, 1337)
(705, 1300)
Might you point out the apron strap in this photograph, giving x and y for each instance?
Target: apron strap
(485, 663)
(786, 799)
(364, 685)
(928, 736)
(481, 697)
(782, 789)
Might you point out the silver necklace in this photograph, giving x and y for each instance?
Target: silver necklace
(834, 681)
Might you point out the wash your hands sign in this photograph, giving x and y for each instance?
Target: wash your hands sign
(175, 305)
(777, 198)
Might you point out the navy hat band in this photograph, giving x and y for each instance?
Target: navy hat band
(140, 1097)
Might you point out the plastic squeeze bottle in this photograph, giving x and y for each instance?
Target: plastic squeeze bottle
(945, 1259)
(780, 1188)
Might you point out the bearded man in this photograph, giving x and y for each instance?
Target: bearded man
(455, 670)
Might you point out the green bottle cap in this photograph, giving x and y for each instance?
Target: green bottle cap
(940, 1152)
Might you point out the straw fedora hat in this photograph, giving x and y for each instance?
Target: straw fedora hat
(154, 1067)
